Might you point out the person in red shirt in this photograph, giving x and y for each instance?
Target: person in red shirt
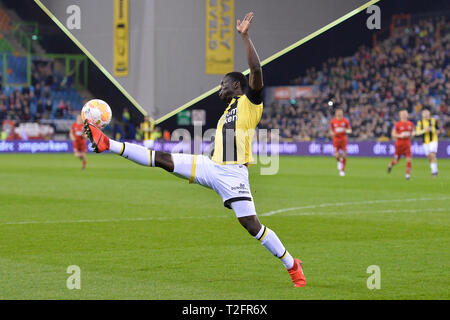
(79, 141)
(339, 128)
(403, 131)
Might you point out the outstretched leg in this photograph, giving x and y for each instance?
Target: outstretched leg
(136, 153)
(268, 239)
(184, 165)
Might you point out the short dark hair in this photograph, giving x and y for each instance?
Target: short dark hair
(239, 77)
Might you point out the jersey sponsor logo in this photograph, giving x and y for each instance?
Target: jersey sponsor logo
(242, 189)
(231, 115)
(229, 133)
(408, 128)
(241, 186)
(339, 127)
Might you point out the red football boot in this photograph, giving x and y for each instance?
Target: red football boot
(296, 273)
(100, 142)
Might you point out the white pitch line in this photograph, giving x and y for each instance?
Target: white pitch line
(323, 205)
(340, 204)
(311, 213)
(105, 220)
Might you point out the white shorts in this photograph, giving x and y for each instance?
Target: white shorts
(430, 147)
(230, 181)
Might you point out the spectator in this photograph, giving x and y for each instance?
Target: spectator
(126, 117)
(61, 109)
(118, 133)
(69, 109)
(48, 107)
(3, 111)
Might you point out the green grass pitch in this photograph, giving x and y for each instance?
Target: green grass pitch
(141, 233)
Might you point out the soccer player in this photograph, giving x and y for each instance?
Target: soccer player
(226, 172)
(147, 127)
(429, 128)
(79, 141)
(339, 128)
(403, 131)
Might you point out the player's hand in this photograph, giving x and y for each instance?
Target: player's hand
(242, 27)
(428, 129)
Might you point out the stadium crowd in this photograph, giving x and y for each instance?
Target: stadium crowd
(43, 101)
(408, 70)
(35, 102)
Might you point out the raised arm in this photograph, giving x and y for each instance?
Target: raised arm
(256, 78)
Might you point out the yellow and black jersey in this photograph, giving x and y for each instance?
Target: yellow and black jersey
(147, 128)
(236, 128)
(421, 129)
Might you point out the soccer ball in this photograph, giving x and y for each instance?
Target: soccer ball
(98, 112)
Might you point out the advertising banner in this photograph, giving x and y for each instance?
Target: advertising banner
(219, 36)
(316, 148)
(121, 38)
(287, 93)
